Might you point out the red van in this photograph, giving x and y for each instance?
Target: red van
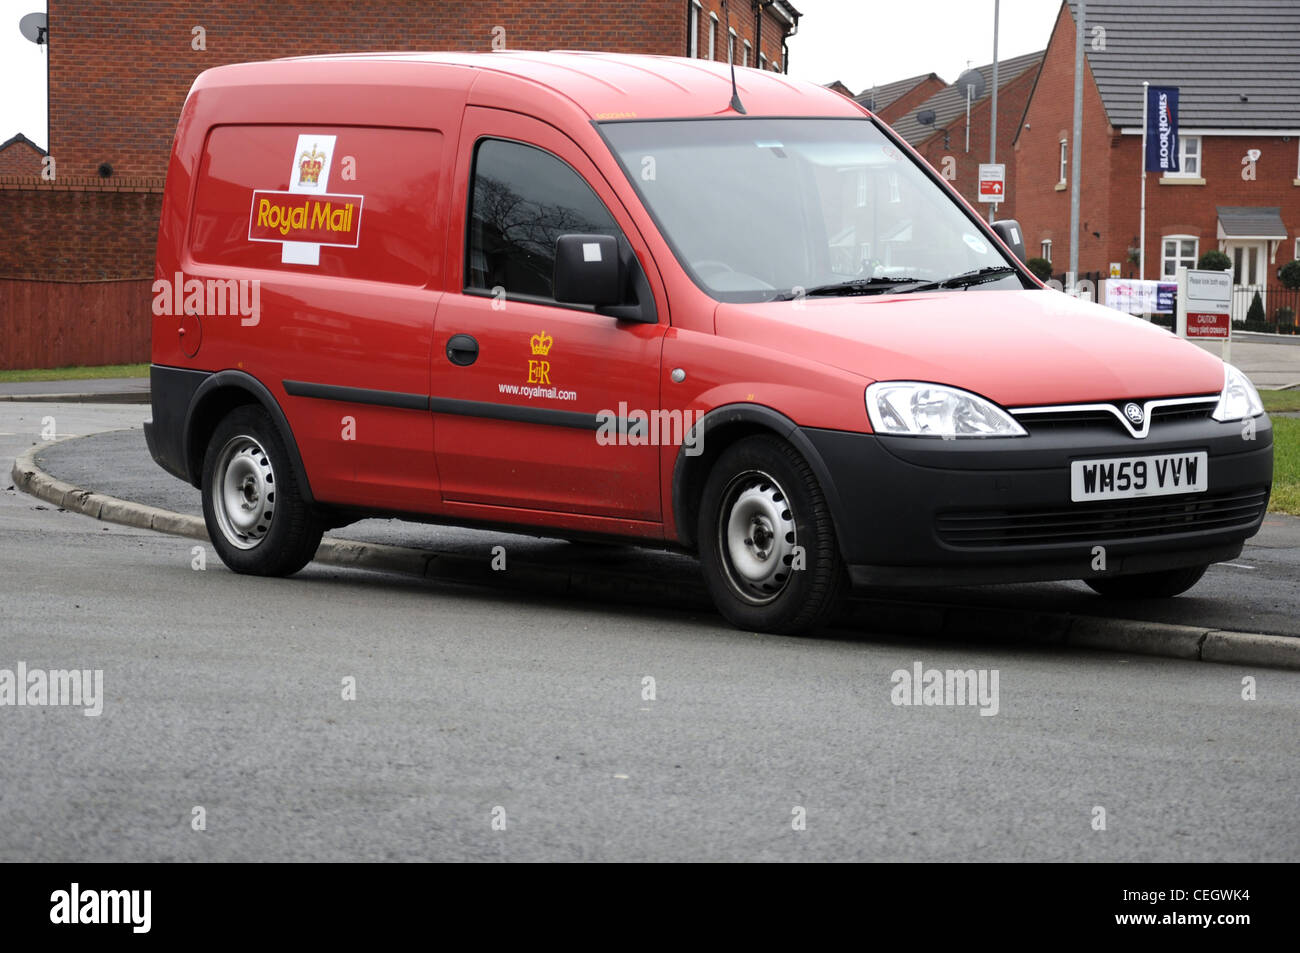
(589, 295)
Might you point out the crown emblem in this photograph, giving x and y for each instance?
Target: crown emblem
(310, 165)
(541, 343)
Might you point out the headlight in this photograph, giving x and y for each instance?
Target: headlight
(914, 409)
(1239, 398)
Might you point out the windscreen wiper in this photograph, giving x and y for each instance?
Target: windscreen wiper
(967, 278)
(858, 286)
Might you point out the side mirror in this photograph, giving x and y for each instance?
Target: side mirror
(588, 270)
(1008, 229)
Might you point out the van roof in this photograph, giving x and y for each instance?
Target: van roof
(609, 85)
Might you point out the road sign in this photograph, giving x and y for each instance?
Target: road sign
(1205, 306)
(993, 182)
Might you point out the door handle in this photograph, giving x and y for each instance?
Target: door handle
(462, 350)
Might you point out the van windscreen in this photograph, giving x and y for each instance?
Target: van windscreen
(757, 209)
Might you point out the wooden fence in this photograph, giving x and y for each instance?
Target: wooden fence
(63, 323)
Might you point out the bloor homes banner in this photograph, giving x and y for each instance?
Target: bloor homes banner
(1162, 129)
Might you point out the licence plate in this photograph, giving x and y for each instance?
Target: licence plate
(1122, 478)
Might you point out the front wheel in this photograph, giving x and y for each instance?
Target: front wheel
(767, 540)
(1148, 585)
(257, 517)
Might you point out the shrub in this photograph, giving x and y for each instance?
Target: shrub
(1041, 267)
(1255, 313)
(1214, 260)
(1284, 318)
(1289, 274)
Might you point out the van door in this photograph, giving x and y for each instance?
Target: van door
(519, 382)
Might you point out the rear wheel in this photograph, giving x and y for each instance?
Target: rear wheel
(1148, 585)
(257, 518)
(767, 541)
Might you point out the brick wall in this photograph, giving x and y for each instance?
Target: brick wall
(79, 229)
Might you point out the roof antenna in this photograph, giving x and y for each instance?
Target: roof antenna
(736, 104)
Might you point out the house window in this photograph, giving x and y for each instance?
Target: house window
(1297, 249)
(748, 48)
(693, 31)
(776, 66)
(731, 46)
(713, 35)
(1045, 249)
(1064, 145)
(1189, 157)
(762, 61)
(1179, 252)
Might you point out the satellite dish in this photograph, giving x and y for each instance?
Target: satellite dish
(975, 80)
(35, 27)
(925, 117)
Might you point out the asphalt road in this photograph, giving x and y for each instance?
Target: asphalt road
(226, 693)
(1255, 593)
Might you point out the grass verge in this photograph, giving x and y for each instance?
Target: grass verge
(74, 373)
(1276, 401)
(1286, 466)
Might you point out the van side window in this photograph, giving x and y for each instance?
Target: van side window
(522, 199)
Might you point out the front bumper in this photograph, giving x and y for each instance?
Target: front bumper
(913, 511)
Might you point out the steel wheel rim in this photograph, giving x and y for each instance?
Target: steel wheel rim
(756, 537)
(243, 492)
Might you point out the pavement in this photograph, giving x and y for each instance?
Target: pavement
(1245, 611)
(106, 390)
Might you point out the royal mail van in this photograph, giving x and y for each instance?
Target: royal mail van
(597, 296)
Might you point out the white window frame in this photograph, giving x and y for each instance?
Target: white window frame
(1178, 257)
(762, 61)
(1065, 158)
(746, 54)
(1199, 156)
(693, 30)
(776, 66)
(713, 36)
(1297, 249)
(1045, 249)
(731, 45)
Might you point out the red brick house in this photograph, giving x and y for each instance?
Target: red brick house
(1238, 73)
(943, 142)
(900, 97)
(77, 264)
(20, 156)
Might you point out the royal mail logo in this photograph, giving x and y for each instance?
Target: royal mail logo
(315, 219)
(309, 167)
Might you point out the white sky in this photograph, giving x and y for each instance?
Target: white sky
(22, 75)
(872, 42)
(859, 42)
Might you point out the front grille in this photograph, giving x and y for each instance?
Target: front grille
(1104, 521)
(1091, 418)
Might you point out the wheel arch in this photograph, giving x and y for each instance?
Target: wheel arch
(216, 397)
(718, 430)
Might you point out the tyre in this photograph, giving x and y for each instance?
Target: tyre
(257, 518)
(767, 540)
(1148, 585)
